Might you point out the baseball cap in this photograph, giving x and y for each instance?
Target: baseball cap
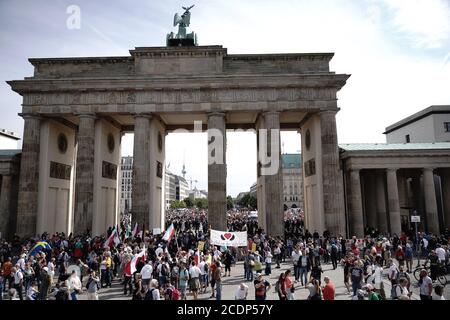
(258, 275)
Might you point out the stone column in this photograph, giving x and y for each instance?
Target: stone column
(84, 183)
(355, 205)
(217, 171)
(381, 203)
(5, 206)
(273, 177)
(446, 196)
(393, 201)
(430, 201)
(29, 177)
(140, 198)
(333, 188)
(370, 201)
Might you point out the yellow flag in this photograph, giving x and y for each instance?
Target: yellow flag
(253, 247)
(201, 245)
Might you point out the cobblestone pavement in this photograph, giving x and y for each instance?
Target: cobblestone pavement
(231, 283)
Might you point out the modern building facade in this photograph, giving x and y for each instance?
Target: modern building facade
(8, 140)
(426, 126)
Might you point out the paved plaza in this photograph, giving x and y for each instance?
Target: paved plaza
(230, 285)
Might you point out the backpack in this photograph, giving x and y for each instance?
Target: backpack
(394, 292)
(164, 271)
(149, 294)
(277, 287)
(176, 294)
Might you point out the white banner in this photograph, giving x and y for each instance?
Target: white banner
(229, 239)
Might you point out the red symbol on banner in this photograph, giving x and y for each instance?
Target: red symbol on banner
(227, 236)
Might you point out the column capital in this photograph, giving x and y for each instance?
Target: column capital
(392, 170)
(90, 115)
(328, 112)
(143, 115)
(216, 114)
(25, 116)
(428, 169)
(270, 113)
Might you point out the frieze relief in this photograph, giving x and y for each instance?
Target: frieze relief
(180, 96)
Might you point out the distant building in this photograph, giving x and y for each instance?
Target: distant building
(8, 140)
(177, 188)
(253, 189)
(427, 126)
(292, 180)
(126, 184)
(198, 194)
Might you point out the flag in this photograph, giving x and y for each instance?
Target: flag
(197, 257)
(170, 232)
(113, 239)
(135, 230)
(38, 247)
(138, 257)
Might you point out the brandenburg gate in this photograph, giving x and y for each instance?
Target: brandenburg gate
(77, 109)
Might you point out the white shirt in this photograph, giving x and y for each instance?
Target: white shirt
(378, 277)
(74, 283)
(201, 266)
(18, 276)
(440, 252)
(51, 267)
(194, 271)
(146, 272)
(296, 256)
(425, 243)
(241, 294)
(268, 257)
(401, 291)
(21, 263)
(393, 270)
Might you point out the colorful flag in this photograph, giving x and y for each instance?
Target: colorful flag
(197, 257)
(170, 232)
(38, 247)
(138, 257)
(135, 230)
(113, 239)
(201, 245)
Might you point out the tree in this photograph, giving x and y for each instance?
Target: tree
(201, 203)
(230, 203)
(189, 203)
(248, 201)
(176, 204)
(253, 202)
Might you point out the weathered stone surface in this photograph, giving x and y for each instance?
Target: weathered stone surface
(355, 205)
(333, 200)
(381, 202)
(270, 206)
(141, 170)
(430, 201)
(29, 177)
(84, 183)
(217, 175)
(393, 202)
(5, 205)
(446, 197)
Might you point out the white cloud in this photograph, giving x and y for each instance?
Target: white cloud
(426, 23)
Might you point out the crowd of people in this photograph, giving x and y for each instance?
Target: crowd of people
(151, 268)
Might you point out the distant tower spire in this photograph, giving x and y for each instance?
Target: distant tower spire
(183, 172)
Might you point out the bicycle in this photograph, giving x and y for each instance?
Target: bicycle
(441, 276)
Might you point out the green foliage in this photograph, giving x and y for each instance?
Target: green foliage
(176, 204)
(201, 203)
(230, 203)
(189, 203)
(248, 201)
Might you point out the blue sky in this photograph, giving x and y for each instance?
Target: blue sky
(398, 52)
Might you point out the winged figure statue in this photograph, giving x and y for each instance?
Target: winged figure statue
(182, 38)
